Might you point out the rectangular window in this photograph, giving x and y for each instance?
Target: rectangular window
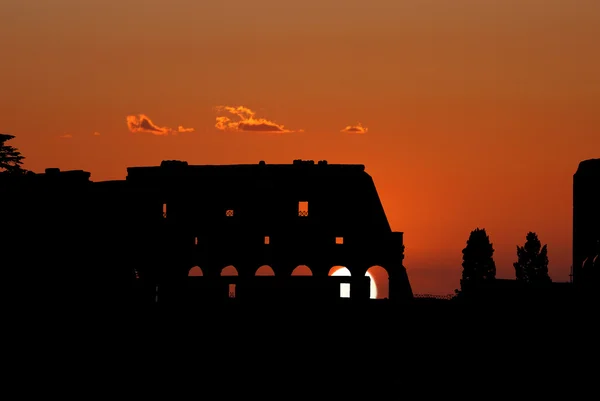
(339, 240)
(303, 209)
(195, 240)
(267, 240)
(229, 212)
(164, 211)
(231, 290)
(345, 290)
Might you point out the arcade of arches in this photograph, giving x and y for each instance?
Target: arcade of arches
(378, 275)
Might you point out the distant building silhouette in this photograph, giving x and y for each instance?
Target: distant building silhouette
(68, 239)
(586, 222)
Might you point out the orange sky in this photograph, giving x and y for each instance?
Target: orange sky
(477, 112)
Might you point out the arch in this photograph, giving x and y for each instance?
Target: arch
(265, 270)
(302, 270)
(380, 282)
(195, 271)
(335, 269)
(344, 287)
(229, 271)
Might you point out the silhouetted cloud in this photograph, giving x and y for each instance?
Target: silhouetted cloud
(66, 136)
(96, 133)
(142, 123)
(247, 121)
(356, 129)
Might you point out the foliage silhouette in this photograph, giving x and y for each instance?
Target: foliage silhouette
(532, 263)
(478, 262)
(10, 157)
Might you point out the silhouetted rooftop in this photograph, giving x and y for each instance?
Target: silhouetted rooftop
(169, 166)
(589, 166)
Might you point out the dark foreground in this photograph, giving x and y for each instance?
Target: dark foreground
(341, 347)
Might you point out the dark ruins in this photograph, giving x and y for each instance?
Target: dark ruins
(136, 240)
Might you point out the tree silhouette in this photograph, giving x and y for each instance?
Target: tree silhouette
(10, 157)
(532, 263)
(478, 262)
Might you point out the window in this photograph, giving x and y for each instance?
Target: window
(267, 240)
(231, 290)
(303, 209)
(164, 211)
(339, 240)
(345, 290)
(229, 212)
(195, 240)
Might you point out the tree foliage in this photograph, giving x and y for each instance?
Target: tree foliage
(10, 157)
(478, 258)
(532, 261)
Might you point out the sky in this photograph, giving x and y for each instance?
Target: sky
(466, 113)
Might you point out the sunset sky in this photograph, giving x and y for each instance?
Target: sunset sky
(467, 113)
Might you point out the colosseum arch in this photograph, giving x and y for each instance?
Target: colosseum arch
(341, 271)
(380, 282)
(265, 270)
(302, 270)
(195, 272)
(377, 274)
(229, 271)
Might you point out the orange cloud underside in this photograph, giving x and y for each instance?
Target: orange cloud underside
(142, 123)
(246, 121)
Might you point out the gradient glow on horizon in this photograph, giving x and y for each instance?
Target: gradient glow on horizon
(466, 113)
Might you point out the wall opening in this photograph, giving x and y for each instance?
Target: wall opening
(265, 270)
(229, 271)
(302, 270)
(231, 290)
(303, 209)
(344, 290)
(339, 240)
(267, 240)
(195, 240)
(339, 271)
(195, 272)
(380, 282)
(344, 287)
(229, 212)
(164, 211)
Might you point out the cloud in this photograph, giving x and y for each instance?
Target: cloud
(96, 133)
(247, 121)
(142, 123)
(356, 129)
(66, 136)
(182, 129)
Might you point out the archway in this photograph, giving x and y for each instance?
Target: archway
(195, 272)
(302, 270)
(344, 287)
(334, 269)
(265, 270)
(380, 283)
(229, 271)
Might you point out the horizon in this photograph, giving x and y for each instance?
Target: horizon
(465, 115)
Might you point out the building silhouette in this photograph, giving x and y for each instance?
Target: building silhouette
(586, 222)
(76, 242)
